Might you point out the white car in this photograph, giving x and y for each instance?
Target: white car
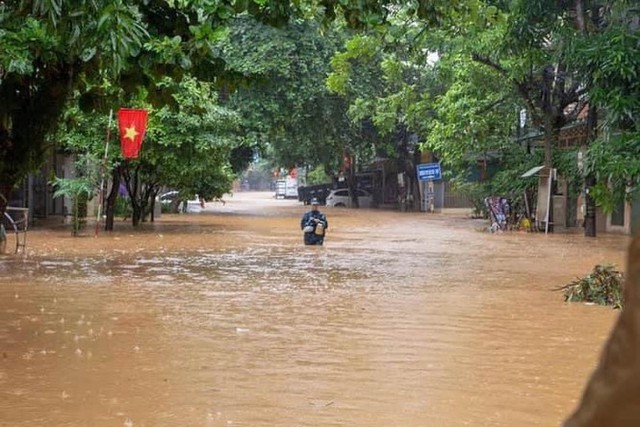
(168, 197)
(340, 198)
(189, 206)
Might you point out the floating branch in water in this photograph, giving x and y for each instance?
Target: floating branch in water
(602, 286)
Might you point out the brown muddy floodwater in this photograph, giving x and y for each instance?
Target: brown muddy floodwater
(224, 318)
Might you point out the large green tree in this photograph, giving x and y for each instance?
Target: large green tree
(288, 113)
(386, 93)
(45, 49)
(188, 146)
(407, 79)
(606, 54)
(49, 48)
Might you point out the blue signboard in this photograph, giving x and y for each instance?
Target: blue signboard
(429, 172)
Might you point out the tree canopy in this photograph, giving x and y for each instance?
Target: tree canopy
(311, 80)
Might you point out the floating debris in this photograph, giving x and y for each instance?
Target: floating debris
(602, 286)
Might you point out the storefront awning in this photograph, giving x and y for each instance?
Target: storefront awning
(532, 172)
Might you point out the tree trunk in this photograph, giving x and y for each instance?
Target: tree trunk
(590, 180)
(152, 204)
(110, 208)
(549, 141)
(352, 184)
(132, 181)
(551, 134)
(5, 193)
(136, 217)
(590, 208)
(415, 188)
(8, 160)
(580, 22)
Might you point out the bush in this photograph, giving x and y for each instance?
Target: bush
(603, 286)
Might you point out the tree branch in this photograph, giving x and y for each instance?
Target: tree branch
(493, 104)
(520, 86)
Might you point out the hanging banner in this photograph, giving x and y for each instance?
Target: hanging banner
(132, 125)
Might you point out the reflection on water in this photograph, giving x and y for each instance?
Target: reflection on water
(226, 319)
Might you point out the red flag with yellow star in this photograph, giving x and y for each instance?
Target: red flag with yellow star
(132, 125)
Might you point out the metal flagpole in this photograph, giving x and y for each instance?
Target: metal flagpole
(104, 166)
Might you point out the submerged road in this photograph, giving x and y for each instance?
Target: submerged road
(224, 318)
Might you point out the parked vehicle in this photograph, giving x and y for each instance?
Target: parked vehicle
(287, 188)
(189, 206)
(318, 191)
(341, 198)
(168, 197)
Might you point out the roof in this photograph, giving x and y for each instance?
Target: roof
(532, 172)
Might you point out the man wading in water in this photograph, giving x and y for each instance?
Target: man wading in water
(314, 224)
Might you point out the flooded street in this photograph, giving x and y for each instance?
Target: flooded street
(224, 318)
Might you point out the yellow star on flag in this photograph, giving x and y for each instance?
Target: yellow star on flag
(131, 133)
